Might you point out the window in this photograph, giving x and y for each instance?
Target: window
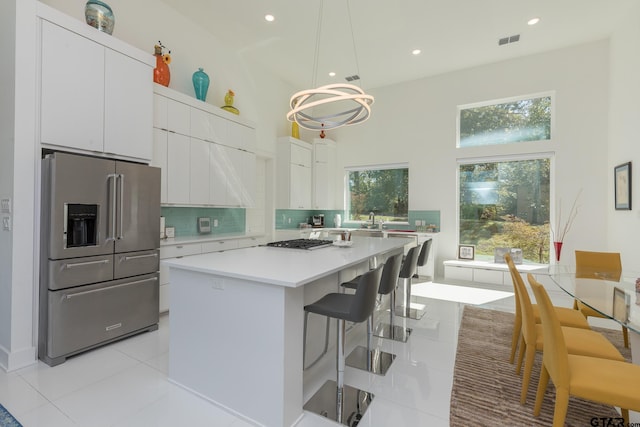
(505, 122)
(383, 190)
(505, 204)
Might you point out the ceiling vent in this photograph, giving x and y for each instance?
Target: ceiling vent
(352, 78)
(510, 39)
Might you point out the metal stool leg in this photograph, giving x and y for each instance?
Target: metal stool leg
(406, 310)
(340, 368)
(391, 331)
(304, 342)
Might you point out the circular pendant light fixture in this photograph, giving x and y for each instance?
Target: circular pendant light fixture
(341, 103)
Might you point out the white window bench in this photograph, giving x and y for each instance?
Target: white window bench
(487, 272)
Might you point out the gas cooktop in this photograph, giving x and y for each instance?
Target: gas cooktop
(307, 244)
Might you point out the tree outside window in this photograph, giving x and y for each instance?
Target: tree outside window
(384, 191)
(506, 204)
(505, 123)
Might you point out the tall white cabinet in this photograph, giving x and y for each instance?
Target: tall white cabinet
(293, 175)
(95, 90)
(324, 174)
(206, 155)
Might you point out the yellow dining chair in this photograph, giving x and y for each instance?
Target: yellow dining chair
(606, 381)
(568, 316)
(603, 266)
(579, 340)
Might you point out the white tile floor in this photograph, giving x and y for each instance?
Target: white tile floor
(125, 383)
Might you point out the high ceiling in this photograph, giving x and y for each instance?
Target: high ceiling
(452, 34)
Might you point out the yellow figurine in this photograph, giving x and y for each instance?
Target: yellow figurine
(228, 103)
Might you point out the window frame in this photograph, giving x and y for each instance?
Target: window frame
(551, 94)
(385, 166)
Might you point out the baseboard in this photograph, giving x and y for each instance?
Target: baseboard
(11, 361)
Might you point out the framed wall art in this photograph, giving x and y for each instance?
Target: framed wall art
(622, 189)
(466, 252)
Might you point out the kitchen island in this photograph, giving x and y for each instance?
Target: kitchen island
(236, 321)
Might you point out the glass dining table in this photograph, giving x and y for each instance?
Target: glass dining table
(615, 296)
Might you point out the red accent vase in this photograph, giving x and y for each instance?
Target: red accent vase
(161, 74)
(558, 248)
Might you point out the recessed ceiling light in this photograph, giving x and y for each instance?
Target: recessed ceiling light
(332, 74)
(416, 51)
(533, 21)
(269, 18)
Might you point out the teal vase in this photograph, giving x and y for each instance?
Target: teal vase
(99, 15)
(200, 84)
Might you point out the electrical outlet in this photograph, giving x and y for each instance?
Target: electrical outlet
(215, 222)
(5, 205)
(417, 222)
(217, 283)
(6, 223)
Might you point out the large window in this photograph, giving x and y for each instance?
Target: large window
(383, 190)
(505, 122)
(505, 204)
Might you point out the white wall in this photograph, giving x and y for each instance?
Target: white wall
(623, 227)
(415, 122)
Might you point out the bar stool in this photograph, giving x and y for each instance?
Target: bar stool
(367, 358)
(424, 256)
(334, 399)
(409, 268)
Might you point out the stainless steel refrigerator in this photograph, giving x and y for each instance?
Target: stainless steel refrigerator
(99, 279)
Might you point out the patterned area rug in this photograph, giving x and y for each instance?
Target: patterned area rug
(486, 389)
(6, 419)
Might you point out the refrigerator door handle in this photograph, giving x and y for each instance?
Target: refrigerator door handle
(120, 233)
(83, 264)
(129, 258)
(111, 232)
(77, 294)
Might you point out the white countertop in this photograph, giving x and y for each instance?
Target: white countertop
(496, 266)
(285, 267)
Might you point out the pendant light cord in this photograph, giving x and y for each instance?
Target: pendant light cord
(316, 54)
(353, 40)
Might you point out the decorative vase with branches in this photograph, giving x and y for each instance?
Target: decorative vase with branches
(559, 232)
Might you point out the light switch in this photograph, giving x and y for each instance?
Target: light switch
(6, 223)
(215, 222)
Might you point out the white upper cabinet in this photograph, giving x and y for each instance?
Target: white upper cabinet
(128, 106)
(72, 104)
(93, 97)
(199, 172)
(204, 163)
(160, 160)
(178, 165)
(293, 175)
(324, 174)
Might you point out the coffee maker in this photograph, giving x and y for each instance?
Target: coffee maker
(317, 221)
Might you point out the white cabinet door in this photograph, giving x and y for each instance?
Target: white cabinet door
(199, 172)
(241, 136)
(159, 159)
(128, 115)
(178, 159)
(300, 155)
(178, 117)
(321, 186)
(208, 127)
(217, 177)
(160, 111)
(72, 90)
(234, 176)
(300, 187)
(248, 179)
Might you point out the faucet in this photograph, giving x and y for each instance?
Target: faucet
(372, 217)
